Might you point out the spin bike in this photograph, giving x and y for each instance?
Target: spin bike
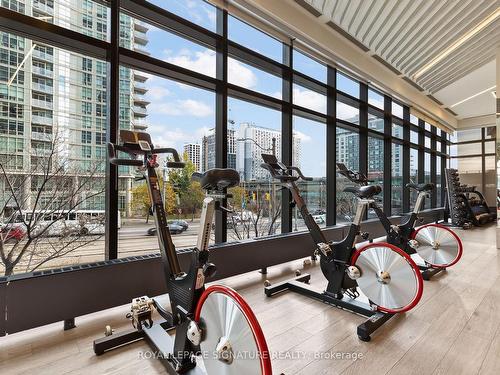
(213, 321)
(437, 245)
(385, 274)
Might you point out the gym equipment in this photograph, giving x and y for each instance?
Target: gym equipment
(464, 204)
(386, 275)
(436, 244)
(215, 322)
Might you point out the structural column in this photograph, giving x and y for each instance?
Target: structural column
(112, 135)
(498, 142)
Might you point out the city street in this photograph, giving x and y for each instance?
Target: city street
(133, 240)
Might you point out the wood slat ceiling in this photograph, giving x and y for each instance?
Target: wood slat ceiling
(408, 34)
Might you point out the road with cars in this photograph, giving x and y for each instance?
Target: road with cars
(132, 240)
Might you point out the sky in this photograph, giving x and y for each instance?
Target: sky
(179, 113)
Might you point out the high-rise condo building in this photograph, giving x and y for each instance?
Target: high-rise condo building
(55, 95)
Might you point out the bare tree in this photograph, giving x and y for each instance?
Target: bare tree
(37, 203)
(346, 202)
(257, 220)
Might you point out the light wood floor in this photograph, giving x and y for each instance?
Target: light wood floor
(454, 330)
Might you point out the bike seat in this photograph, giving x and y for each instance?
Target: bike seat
(217, 178)
(364, 191)
(421, 187)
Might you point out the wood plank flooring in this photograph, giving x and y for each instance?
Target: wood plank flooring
(454, 330)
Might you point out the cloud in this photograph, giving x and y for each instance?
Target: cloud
(211, 15)
(203, 131)
(187, 107)
(346, 112)
(204, 62)
(157, 92)
(240, 75)
(166, 138)
(304, 138)
(309, 99)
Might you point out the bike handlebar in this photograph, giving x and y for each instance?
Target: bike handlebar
(356, 177)
(137, 143)
(112, 148)
(280, 171)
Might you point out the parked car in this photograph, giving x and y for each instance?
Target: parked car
(318, 211)
(12, 235)
(182, 223)
(320, 219)
(174, 229)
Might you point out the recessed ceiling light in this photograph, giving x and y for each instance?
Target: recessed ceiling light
(473, 96)
(480, 26)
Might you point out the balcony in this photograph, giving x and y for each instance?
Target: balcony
(42, 72)
(41, 136)
(141, 25)
(41, 120)
(140, 86)
(140, 99)
(139, 124)
(41, 87)
(42, 55)
(140, 37)
(141, 49)
(43, 7)
(139, 110)
(42, 104)
(140, 78)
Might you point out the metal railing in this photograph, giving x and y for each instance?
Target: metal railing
(41, 136)
(43, 7)
(42, 104)
(42, 71)
(139, 110)
(42, 55)
(41, 120)
(42, 87)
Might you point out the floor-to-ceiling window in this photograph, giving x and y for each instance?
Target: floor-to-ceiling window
(220, 90)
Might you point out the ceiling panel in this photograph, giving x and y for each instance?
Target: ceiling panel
(471, 84)
(408, 34)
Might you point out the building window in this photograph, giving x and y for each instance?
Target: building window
(376, 165)
(86, 93)
(100, 138)
(87, 21)
(397, 183)
(100, 110)
(348, 85)
(86, 64)
(86, 152)
(86, 136)
(87, 79)
(86, 108)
